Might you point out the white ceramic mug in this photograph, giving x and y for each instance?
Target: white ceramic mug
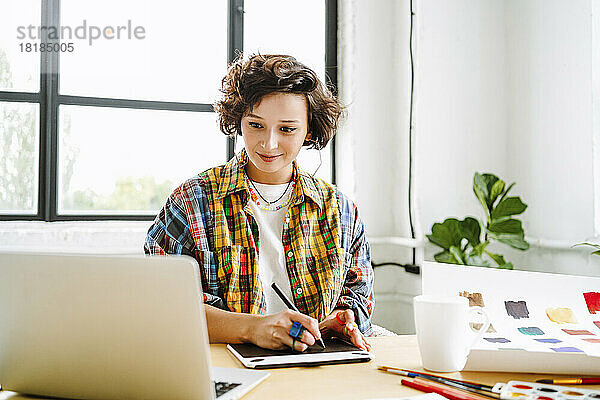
(443, 332)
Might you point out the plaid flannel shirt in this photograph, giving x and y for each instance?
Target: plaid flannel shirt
(328, 258)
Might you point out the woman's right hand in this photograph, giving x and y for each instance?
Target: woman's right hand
(272, 331)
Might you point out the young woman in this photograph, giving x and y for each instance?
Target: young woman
(259, 219)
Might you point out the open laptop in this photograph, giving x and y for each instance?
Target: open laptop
(108, 327)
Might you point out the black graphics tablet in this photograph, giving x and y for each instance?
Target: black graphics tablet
(336, 352)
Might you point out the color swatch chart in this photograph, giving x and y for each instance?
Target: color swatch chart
(529, 311)
(532, 324)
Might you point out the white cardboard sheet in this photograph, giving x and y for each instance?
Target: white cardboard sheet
(529, 349)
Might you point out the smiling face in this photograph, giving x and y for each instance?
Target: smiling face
(274, 131)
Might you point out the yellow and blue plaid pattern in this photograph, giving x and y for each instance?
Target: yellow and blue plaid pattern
(327, 255)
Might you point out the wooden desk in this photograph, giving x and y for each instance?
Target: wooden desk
(357, 381)
(350, 381)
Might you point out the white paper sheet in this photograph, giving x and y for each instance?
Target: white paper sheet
(526, 335)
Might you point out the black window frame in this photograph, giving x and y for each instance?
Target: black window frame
(49, 100)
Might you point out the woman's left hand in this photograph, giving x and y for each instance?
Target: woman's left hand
(347, 329)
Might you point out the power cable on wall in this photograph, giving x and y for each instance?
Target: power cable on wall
(412, 268)
(410, 132)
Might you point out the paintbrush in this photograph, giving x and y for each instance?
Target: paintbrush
(571, 381)
(472, 385)
(439, 379)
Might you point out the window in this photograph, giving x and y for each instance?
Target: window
(105, 107)
(19, 114)
(19, 164)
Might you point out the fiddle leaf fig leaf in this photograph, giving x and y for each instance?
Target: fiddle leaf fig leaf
(445, 257)
(507, 207)
(594, 245)
(506, 191)
(506, 226)
(496, 191)
(485, 184)
(446, 234)
(470, 230)
(498, 258)
(516, 241)
(481, 197)
(480, 188)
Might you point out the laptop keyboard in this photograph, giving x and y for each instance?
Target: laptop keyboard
(223, 387)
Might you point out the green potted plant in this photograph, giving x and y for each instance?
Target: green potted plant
(465, 242)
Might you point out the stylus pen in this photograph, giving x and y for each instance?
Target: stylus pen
(290, 305)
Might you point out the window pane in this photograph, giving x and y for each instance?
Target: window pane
(19, 68)
(124, 161)
(181, 57)
(19, 161)
(287, 27)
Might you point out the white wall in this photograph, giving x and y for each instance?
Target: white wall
(549, 78)
(461, 111)
(502, 87)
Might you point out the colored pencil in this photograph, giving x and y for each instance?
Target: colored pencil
(439, 379)
(447, 392)
(474, 385)
(571, 381)
(445, 386)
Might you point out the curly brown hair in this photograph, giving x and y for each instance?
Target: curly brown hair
(248, 81)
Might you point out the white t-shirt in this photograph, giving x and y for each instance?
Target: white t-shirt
(271, 257)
